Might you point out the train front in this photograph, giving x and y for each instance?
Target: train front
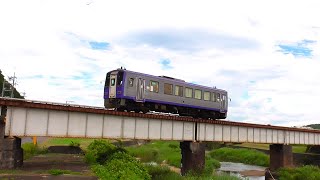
(114, 88)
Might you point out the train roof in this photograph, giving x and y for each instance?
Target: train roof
(171, 79)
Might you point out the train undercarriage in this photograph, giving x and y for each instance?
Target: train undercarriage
(144, 107)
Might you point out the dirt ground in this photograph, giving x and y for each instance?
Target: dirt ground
(37, 168)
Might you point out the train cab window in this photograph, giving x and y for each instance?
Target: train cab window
(168, 89)
(154, 86)
(107, 83)
(206, 96)
(188, 92)
(178, 91)
(113, 81)
(218, 97)
(197, 94)
(214, 97)
(131, 82)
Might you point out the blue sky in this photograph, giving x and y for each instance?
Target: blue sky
(266, 55)
(298, 49)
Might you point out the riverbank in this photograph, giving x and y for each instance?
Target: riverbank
(165, 156)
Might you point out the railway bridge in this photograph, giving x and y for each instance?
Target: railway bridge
(27, 118)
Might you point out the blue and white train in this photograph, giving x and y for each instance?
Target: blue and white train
(134, 91)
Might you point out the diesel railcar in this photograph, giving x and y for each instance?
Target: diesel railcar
(134, 91)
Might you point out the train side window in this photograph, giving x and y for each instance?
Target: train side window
(197, 94)
(218, 97)
(214, 97)
(154, 86)
(206, 96)
(178, 91)
(131, 80)
(113, 81)
(188, 92)
(168, 88)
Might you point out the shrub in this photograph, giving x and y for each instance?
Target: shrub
(121, 165)
(100, 150)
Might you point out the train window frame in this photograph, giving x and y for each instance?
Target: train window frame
(187, 93)
(179, 92)
(152, 89)
(208, 93)
(214, 96)
(166, 87)
(196, 95)
(130, 82)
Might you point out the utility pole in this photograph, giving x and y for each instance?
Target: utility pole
(13, 79)
(9, 87)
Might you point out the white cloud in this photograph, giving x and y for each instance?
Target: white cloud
(49, 39)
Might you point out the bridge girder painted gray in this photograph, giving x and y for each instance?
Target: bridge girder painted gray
(22, 121)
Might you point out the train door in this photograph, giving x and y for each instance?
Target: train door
(141, 84)
(113, 87)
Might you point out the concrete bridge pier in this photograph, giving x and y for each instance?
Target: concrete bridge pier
(280, 156)
(193, 157)
(11, 153)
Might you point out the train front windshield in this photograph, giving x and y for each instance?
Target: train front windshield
(107, 83)
(120, 78)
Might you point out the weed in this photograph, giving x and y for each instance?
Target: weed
(29, 150)
(98, 151)
(57, 172)
(74, 144)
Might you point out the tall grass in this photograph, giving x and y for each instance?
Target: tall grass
(30, 150)
(307, 172)
(247, 156)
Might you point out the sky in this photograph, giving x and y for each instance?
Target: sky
(266, 54)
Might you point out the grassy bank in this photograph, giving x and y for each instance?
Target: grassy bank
(304, 172)
(295, 148)
(158, 151)
(246, 156)
(82, 142)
